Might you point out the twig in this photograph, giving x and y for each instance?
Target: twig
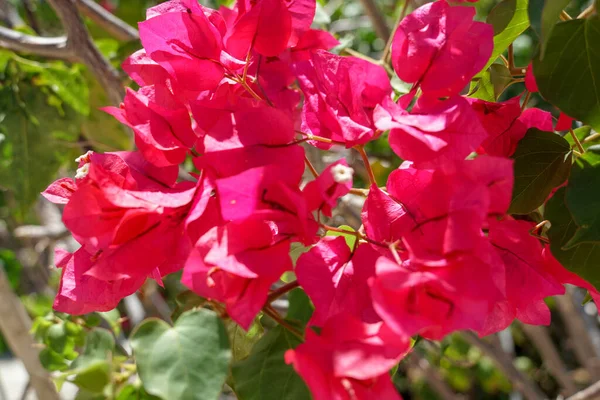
(81, 44)
(543, 342)
(577, 142)
(277, 293)
(107, 21)
(365, 158)
(52, 47)
(591, 392)
(277, 318)
(578, 336)
(15, 325)
(519, 380)
(311, 168)
(31, 18)
(377, 19)
(9, 14)
(564, 16)
(588, 11)
(432, 376)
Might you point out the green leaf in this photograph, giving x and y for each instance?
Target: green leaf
(265, 375)
(34, 139)
(241, 341)
(186, 301)
(583, 259)
(583, 198)
(94, 376)
(113, 317)
(99, 345)
(569, 75)
(542, 162)
(544, 14)
(350, 239)
(52, 361)
(300, 308)
(187, 361)
(134, 392)
(509, 19)
(56, 337)
(492, 83)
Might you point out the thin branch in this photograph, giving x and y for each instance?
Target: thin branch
(15, 325)
(79, 40)
(518, 379)
(578, 335)
(543, 342)
(591, 10)
(377, 19)
(31, 18)
(432, 376)
(52, 47)
(107, 20)
(591, 392)
(277, 293)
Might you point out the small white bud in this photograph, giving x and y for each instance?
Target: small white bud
(82, 171)
(342, 174)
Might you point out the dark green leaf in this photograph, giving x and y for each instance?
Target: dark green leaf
(542, 162)
(300, 308)
(569, 75)
(509, 19)
(583, 198)
(544, 14)
(584, 259)
(185, 362)
(264, 375)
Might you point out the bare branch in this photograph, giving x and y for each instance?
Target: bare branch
(9, 14)
(518, 379)
(79, 40)
(53, 47)
(377, 18)
(432, 376)
(591, 392)
(578, 336)
(106, 20)
(543, 342)
(15, 325)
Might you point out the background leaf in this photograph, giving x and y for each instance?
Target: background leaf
(185, 362)
(265, 375)
(544, 14)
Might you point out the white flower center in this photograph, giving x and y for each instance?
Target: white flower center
(342, 174)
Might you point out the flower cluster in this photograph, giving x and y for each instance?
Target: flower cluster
(237, 91)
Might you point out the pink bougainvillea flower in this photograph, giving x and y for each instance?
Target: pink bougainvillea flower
(340, 96)
(530, 83)
(79, 293)
(126, 218)
(506, 125)
(186, 44)
(434, 132)
(527, 277)
(564, 122)
(434, 301)
(313, 39)
(445, 209)
(336, 280)
(268, 26)
(349, 360)
(440, 48)
(143, 70)
(228, 265)
(334, 182)
(162, 125)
